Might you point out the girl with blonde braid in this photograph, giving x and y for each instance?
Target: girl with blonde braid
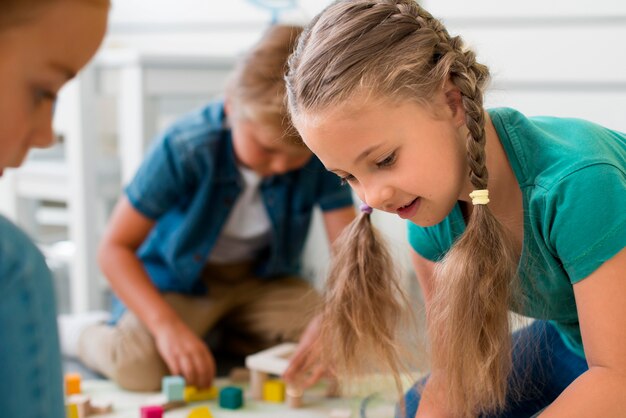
(506, 213)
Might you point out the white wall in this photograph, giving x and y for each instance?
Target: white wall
(547, 57)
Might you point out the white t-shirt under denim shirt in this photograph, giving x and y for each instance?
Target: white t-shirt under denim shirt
(248, 229)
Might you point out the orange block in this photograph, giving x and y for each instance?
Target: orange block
(72, 384)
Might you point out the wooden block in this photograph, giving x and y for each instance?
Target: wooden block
(274, 360)
(202, 412)
(274, 391)
(71, 410)
(173, 387)
(82, 403)
(100, 407)
(231, 397)
(294, 397)
(257, 380)
(72, 384)
(153, 411)
(193, 394)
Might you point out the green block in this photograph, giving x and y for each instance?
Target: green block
(231, 397)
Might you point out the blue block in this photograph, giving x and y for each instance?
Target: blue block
(231, 397)
(173, 388)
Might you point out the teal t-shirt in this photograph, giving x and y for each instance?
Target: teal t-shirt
(572, 174)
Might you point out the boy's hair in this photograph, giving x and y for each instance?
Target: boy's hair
(394, 49)
(18, 12)
(256, 89)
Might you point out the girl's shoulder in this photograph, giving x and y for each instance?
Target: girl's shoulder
(543, 150)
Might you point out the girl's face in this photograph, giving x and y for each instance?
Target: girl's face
(401, 158)
(36, 59)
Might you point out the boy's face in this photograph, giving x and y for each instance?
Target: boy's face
(260, 148)
(38, 57)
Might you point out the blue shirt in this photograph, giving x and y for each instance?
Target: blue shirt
(31, 380)
(188, 184)
(572, 174)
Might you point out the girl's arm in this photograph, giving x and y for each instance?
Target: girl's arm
(600, 300)
(183, 352)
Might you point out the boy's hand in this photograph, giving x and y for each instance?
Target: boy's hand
(185, 354)
(306, 367)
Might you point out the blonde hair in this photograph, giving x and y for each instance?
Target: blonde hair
(256, 89)
(396, 50)
(18, 12)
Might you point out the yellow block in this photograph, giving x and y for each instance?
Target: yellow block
(71, 410)
(72, 384)
(193, 394)
(203, 412)
(274, 391)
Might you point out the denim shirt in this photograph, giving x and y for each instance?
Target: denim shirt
(189, 183)
(31, 379)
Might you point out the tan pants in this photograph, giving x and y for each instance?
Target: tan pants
(263, 312)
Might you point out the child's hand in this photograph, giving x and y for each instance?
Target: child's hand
(185, 354)
(306, 368)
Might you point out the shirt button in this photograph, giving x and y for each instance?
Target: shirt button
(197, 257)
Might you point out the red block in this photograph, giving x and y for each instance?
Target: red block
(151, 412)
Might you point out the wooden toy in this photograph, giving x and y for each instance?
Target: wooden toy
(274, 361)
(193, 394)
(71, 411)
(72, 383)
(202, 412)
(86, 407)
(154, 411)
(173, 387)
(231, 397)
(274, 391)
(294, 397)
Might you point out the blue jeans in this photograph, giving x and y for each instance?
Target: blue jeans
(31, 382)
(544, 364)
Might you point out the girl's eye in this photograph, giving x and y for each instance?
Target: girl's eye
(347, 179)
(388, 161)
(42, 94)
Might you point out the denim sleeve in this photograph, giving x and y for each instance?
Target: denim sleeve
(164, 178)
(332, 194)
(31, 382)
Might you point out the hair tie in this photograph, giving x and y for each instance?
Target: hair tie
(365, 208)
(480, 197)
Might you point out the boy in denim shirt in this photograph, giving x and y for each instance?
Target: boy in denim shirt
(212, 229)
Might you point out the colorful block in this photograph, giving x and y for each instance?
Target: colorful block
(72, 384)
(71, 411)
(193, 394)
(231, 397)
(173, 388)
(151, 412)
(203, 412)
(274, 391)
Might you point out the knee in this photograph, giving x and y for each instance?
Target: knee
(142, 373)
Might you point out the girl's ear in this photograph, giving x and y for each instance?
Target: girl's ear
(454, 101)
